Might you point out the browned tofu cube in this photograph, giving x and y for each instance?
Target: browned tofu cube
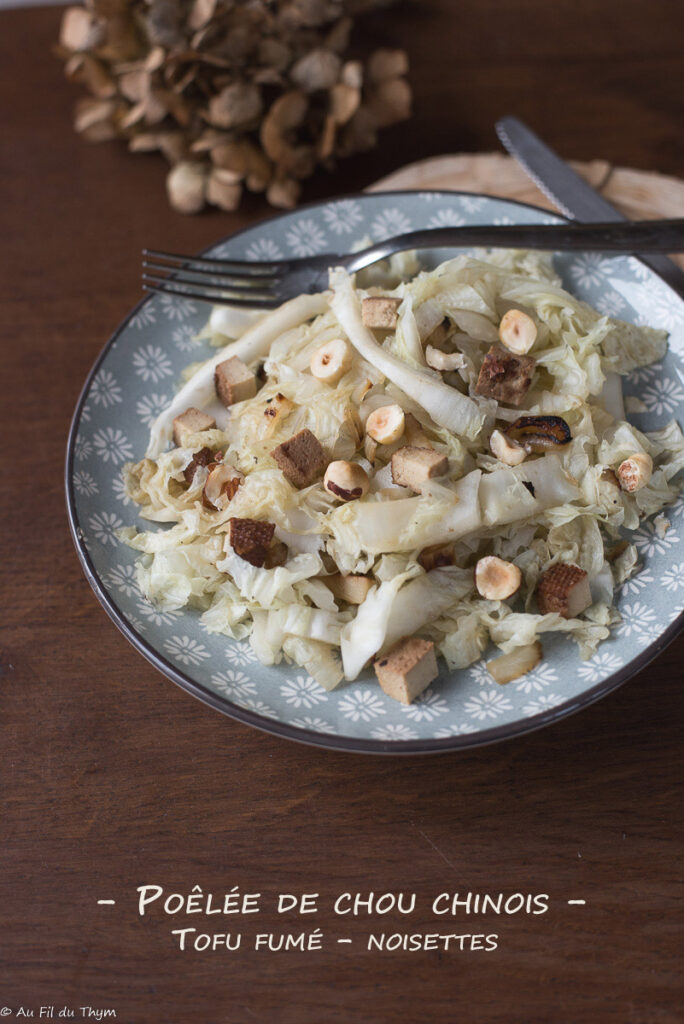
(412, 466)
(234, 382)
(380, 312)
(505, 376)
(250, 539)
(302, 459)
(408, 669)
(436, 556)
(564, 588)
(353, 589)
(192, 421)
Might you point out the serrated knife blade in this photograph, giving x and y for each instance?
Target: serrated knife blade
(570, 192)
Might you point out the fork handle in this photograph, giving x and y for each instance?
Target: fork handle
(628, 237)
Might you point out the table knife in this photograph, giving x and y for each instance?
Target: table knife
(570, 192)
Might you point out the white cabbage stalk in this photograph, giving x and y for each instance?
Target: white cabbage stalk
(199, 390)
(505, 499)
(407, 523)
(395, 609)
(233, 321)
(447, 407)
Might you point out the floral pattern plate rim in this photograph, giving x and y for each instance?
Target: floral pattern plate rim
(130, 382)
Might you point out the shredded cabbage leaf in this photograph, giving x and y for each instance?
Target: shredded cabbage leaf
(561, 505)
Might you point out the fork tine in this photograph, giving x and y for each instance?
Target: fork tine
(248, 267)
(233, 280)
(207, 286)
(220, 298)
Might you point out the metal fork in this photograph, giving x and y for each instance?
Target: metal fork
(263, 285)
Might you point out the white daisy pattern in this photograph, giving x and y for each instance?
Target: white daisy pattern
(104, 526)
(176, 308)
(259, 707)
(240, 654)
(601, 665)
(303, 692)
(389, 223)
(394, 732)
(263, 250)
(635, 584)
(104, 389)
(85, 414)
(455, 729)
(185, 337)
(487, 704)
(149, 407)
(123, 579)
(119, 490)
(472, 204)
(313, 724)
(186, 650)
(639, 269)
(644, 374)
(658, 309)
(673, 578)
(83, 449)
(85, 483)
(361, 706)
(543, 702)
(447, 217)
(234, 684)
(649, 634)
(145, 317)
(589, 269)
(635, 618)
(538, 679)
(152, 363)
(663, 396)
(610, 303)
(156, 616)
(305, 238)
(342, 217)
(649, 543)
(480, 674)
(430, 704)
(112, 445)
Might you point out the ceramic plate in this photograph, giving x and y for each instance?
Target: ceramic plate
(135, 377)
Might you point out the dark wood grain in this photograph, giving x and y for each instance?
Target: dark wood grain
(112, 777)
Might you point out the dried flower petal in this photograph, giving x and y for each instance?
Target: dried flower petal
(250, 95)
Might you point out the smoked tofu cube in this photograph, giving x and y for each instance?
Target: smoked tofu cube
(564, 588)
(380, 312)
(234, 382)
(408, 669)
(250, 539)
(302, 459)
(353, 588)
(504, 376)
(412, 467)
(192, 421)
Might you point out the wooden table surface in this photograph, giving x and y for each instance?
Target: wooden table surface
(113, 778)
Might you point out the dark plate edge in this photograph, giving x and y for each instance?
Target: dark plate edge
(306, 736)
